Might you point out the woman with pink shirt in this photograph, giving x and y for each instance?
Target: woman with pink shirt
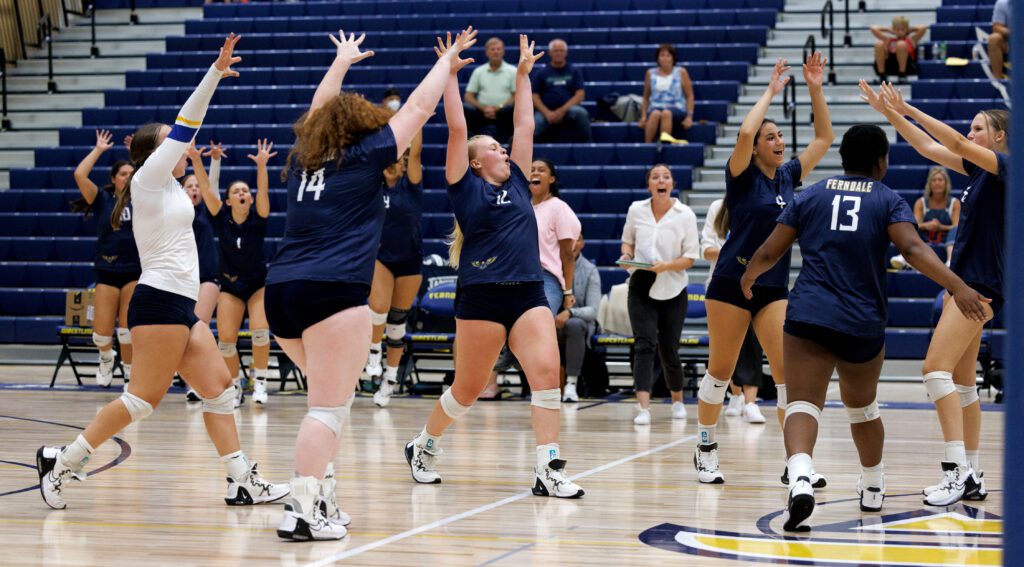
(557, 232)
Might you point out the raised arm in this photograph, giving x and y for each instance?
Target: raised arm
(414, 170)
(104, 141)
(522, 114)
(923, 258)
(952, 140)
(211, 196)
(159, 165)
(814, 73)
(215, 153)
(347, 55)
(739, 161)
(779, 241)
(422, 103)
(922, 142)
(264, 152)
(917, 32)
(880, 32)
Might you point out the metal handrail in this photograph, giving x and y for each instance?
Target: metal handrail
(789, 106)
(826, 33)
(133, 18)
(94, 50)
(46, 36)
(5, 122)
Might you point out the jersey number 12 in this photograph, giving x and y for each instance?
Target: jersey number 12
(851, 213)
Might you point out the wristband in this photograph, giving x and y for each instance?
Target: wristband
(566, 292)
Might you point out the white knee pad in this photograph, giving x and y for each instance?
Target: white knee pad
(547, 399)
(452, 408)
(803, 407)
(227, 350)
(137, 407)
(260, 337)
(712, 390)
(102, 340)
(224, 404)
(334, 418)
(865, 414)
(782, 398)
(939, 384)
(378, 319)
(124, 336)
(968, 395)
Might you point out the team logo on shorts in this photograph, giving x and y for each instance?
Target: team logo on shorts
(743, 261)
(484, 264)
(842, 535)
(109, 259)
(231, 279)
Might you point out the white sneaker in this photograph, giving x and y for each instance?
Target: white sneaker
(259, 392)
(253, 489)
(105, 372)
(569, 394)
(800, 506)
(303, 519)
(817, 480)
(422, 463)
(980, 494)
(328, 502)
(899, 262)
(551, 481)
(735, 406)
(373, 364)
(871, 497)
(643, 417)
(53, 474)
(382, 397)
(705, 460)
(752, 414)
(678, 411)
(959, 482)
(239, 395)
(192, 396)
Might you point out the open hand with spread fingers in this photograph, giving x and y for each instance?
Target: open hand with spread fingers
(526, 56)
(778, 80)
(216, 151)
(226, 58)
(814, 69)
(348, 47)
(104, 140)
(868, 95)
(893, 99)
(448, 48)
(263, 152)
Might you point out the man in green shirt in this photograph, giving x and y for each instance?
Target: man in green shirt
(490, 94)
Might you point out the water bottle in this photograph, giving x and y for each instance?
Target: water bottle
(942, 51)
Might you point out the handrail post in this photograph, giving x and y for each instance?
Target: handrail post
(789, 107)
(847, 37)
(94, 50)
(47, 28)
(21, 32)
(133, 18)
(5, 122)
(829, 32)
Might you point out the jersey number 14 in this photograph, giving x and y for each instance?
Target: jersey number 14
(311, 184)
(848, 222)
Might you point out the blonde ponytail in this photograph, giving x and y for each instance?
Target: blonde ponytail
(455, 240)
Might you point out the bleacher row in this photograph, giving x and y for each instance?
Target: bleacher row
(44, 249)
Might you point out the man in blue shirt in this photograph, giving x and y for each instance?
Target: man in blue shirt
(558, 93)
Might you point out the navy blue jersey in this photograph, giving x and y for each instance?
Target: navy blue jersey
(500, 229)
(842, 226)
(754, 203)
(115, 249)
(980, 237)
(401, 239)
(206, 245)
(241, 246)
(335, 216)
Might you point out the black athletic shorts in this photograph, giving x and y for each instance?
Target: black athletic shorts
(848, 348)
(292, 307)
(995, 296)
(242, 289)
(411, 267)
(728, 291)
(151, 306)
(501, 303)
(116, 279)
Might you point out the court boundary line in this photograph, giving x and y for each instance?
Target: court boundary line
(486, 507)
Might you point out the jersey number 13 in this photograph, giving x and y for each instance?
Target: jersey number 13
(847, 222)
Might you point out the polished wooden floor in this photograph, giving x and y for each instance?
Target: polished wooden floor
(162, 504)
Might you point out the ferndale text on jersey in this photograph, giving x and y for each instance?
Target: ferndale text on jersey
(847, 185)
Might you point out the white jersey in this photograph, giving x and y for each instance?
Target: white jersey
(163, 212)
(709, 237)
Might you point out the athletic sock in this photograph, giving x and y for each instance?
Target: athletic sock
(427, 441)
(391, 374)
(76, 455)
(236, 464)
(261, 373)
(107, 355)
(975, 458)
(546, 454)
(872, 475)
(800, 465)
(570, 379)
(706, 433)
(954, 452)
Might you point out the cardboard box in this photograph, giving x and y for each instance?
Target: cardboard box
(79, 308)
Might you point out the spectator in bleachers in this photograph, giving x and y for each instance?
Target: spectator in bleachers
(747, 378)
(392, 99)
(999, 39)
(558, 93)
(397, 272)
(949, 371)
(117, 258)
(578, 323)
(243, 269)
(759, 183)
(896, 48)
(668, 96)
(490, 94)
(660, 231)
(937, 214)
